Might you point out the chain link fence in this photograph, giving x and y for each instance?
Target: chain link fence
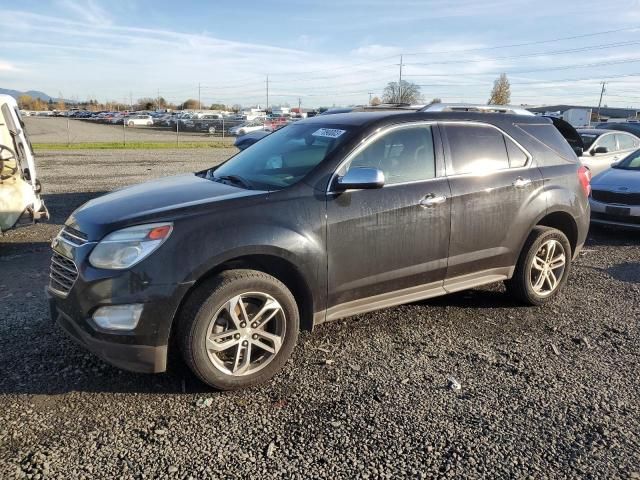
(142, 129)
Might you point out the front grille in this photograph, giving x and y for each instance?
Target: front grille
(73, 236)
(630, 220)
(62, 274)
(619, 198)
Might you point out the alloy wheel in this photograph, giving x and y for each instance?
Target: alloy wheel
(246, 333)
(547, 268)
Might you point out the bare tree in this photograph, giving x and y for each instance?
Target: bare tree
(404, 92)
(375, 101)
(435, 100)
(501, 93)
(190, 104)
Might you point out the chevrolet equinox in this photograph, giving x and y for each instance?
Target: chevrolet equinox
(329, 217)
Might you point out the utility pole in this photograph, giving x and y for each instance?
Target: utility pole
(267, 106)
(370, 93)
(130, 101)
(158, 100)
(199, 102)
(299, 106)
(600, 102)
(400, 82)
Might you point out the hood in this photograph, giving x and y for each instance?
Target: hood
(618, 177)
(150, 200)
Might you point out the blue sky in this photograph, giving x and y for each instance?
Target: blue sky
(325, 53)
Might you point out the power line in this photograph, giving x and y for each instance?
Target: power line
(529, 55)
(526, 44)
(564, 67)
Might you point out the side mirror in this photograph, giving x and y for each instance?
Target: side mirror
(578, 151)
(361, 179)
(599, 150)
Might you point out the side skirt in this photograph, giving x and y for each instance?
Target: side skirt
(413, 294)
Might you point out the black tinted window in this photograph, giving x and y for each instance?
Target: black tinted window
(403, 155)
(476, 149)
(552, 138)
(517, 158)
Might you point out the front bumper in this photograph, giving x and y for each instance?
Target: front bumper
(132, 357)
(600, 215)
(142, 349)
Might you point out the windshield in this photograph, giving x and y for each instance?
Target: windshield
(632, 162)
(280, 159)
(588, 139)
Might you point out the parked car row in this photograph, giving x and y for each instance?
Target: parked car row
(209, 123)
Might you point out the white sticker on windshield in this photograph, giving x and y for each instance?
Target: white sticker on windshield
(328, 132)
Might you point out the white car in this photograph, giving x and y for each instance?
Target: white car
(604, 147)
(20, 201)
(135, 120)
(245, 128)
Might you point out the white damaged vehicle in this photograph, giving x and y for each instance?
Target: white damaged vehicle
(20, 201)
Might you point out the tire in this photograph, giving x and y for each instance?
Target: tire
(149, 124)
(130, 124)
(527, 275)
(212, 130)
(207, 314)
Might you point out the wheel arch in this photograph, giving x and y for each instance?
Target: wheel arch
(563, 221)
(281, 268)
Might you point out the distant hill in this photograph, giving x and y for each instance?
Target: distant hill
(32, 93)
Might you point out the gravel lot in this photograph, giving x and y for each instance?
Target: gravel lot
(62, 130)
(546, 392)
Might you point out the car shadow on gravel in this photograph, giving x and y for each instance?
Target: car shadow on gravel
(611, 236)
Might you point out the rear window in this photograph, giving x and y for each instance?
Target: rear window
(551, 137)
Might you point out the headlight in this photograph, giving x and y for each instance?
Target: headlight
(124, 248)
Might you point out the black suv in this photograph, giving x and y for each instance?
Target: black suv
(329, 217)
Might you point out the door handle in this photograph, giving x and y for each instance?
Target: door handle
(432, 200)
(521, 182)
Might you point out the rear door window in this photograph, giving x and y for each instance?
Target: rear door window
(475, 149)
(626, 142)
(552, 138)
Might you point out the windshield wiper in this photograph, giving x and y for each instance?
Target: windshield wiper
(237, 179)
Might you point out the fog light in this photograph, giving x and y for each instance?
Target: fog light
(118, 317)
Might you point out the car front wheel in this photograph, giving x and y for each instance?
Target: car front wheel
(543, 267)
(238, 329)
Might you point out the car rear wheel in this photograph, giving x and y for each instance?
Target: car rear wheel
(130, 124)
(543, 267)
(212, 130)
(238, 329)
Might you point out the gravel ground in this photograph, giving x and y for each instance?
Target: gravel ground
(62, 130)
(547, 392)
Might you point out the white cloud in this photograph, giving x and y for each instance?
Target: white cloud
(86, 10)
(8, 67)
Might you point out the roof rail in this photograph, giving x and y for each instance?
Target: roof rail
(408, 106)
(469, 107)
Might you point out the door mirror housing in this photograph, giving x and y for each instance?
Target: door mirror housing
(579, 151)
(361, 178)
(599, 150)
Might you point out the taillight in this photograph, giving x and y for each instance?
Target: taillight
(584, 176)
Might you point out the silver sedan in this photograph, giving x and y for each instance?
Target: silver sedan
(615, 194)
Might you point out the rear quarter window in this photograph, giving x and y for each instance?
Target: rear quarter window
(551, 137)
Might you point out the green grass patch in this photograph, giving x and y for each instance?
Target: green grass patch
(130, 145)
